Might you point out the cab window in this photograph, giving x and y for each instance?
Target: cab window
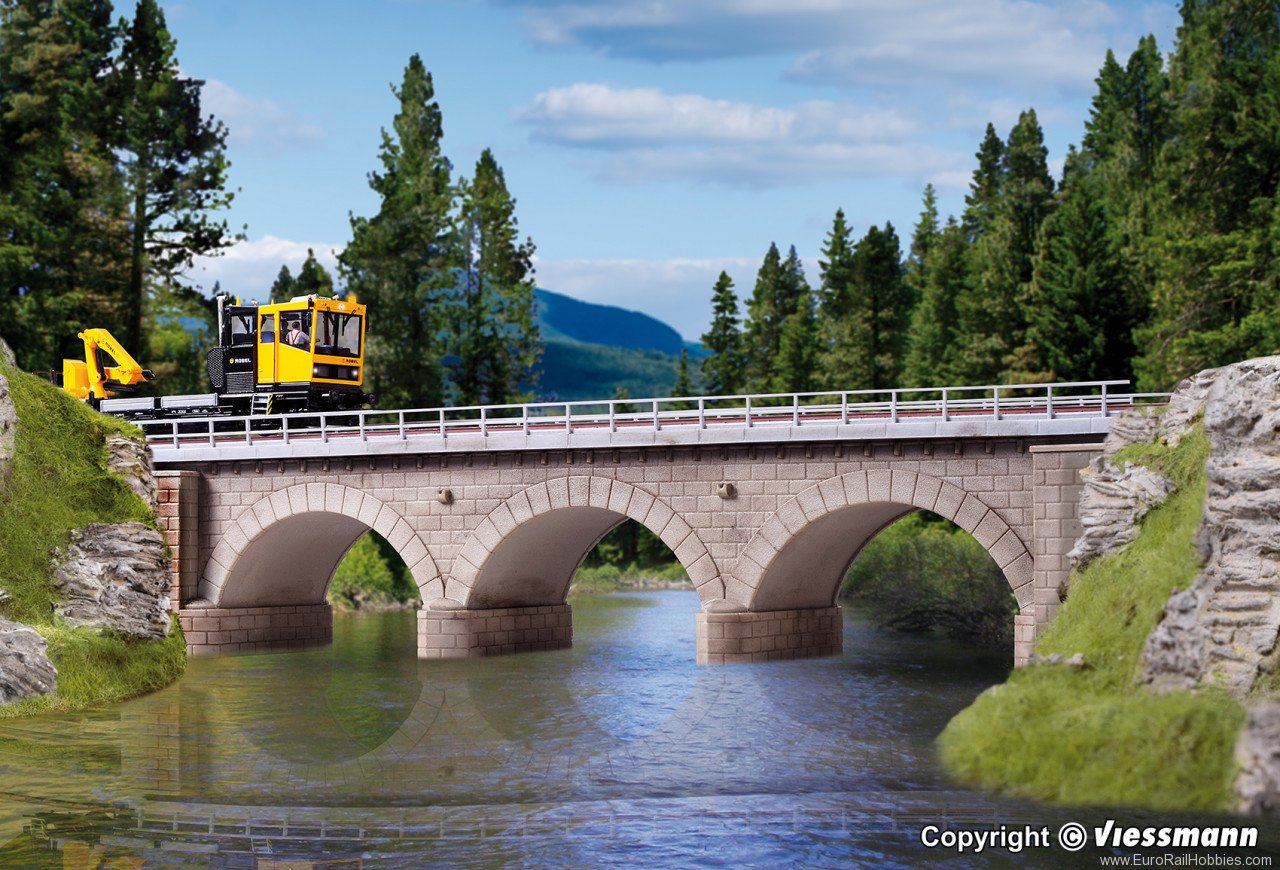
(338, 334)
(242, 329)
(267, 329)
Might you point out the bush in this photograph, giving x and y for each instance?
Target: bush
(366, 576)
(924, 574)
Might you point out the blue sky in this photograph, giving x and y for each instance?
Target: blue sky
(649, 143)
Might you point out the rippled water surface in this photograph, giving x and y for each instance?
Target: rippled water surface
(620, 750)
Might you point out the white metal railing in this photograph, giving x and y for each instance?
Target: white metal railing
(846, 408)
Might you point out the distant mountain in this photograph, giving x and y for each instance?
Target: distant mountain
(561, 316)
(591, 350)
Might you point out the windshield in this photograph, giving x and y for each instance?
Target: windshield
(338, 334)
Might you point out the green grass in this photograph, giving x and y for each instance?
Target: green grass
(611, 578)
(98, 669)
(59, 482)
(1097, 735)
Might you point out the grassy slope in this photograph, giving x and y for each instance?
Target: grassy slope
(59, 483)
(1097, 736)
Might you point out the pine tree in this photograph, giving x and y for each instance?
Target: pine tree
(923, 239)
(871, 338)
(836, 271)
(684, 378)
(798, 348)
(985, 188)
(283, 288)
(173, 162)
(493, 328)
(992, 315)
(763, 328)
(313, 278)
(401, 261)
(1217, 288)
(932, 349)
(63, 231)
(722, 371)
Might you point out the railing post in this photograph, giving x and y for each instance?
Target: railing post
(176, 445)
(484, 422)
(1048, 401)
(524, 417)
(400, 421)
(657, 421)
(702, 413)
(844, 408)
(248, 431)
(996, 407)
(568, 418)
(285, 423)
(324, 432)
(209, 422)
(1104, 400)
(613, 420)
(893, 406)
(749, 424)
(363, 436)
(945, 416)
(795, 409)
(443, 434)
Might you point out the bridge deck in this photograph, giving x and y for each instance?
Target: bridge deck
(1080, 410)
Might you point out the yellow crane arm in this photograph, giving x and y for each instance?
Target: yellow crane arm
(94, 378)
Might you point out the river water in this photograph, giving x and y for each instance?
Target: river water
(620, 750)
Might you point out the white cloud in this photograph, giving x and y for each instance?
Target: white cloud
(249, 268)
(676, 291)
(854, 42)
(652, 135)
(601, 116)
(257, 123)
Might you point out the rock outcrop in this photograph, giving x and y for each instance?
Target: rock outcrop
(6, 355)
(115, 577)
(1258, 753)
(8, 432)
(1114, 501)
(1220, 630)
(131, 459)
(25, 669)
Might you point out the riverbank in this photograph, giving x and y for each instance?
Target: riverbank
(59, 482)
(610, 578)
(1095, 735)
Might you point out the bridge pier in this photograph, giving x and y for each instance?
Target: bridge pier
(219, 630)
(728, 638)
(459, 633)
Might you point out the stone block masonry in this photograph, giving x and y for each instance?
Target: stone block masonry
(493, 537)
(221, 630)
(728, 638)
(445, 634)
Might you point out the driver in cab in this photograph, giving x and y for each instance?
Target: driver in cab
(294, 335)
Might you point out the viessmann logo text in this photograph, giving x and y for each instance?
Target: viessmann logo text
(1074, 836)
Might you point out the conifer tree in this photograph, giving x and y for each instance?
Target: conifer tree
(63, 230)
(923, 239)
(401, 261)
(992, 315)
(492, 323)
(796, 369)
(932, 349)
(313, 278)
(871, 338)
(684, 378)
(1079, 305)
(1216, 292)
(836, 271)
(173, 163)
(722, 371)
(984, 189)
(763, 328)
(283, 288)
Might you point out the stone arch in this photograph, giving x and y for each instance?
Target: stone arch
(284, 548)
(800, 553)
(525, 551)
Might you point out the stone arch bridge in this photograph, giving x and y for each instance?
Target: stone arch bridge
(765, 501)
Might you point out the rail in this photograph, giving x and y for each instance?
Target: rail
(844, 408)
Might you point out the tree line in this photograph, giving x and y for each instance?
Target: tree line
(1155, 256)
(111, 179)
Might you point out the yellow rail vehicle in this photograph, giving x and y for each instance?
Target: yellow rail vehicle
(304, 354)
